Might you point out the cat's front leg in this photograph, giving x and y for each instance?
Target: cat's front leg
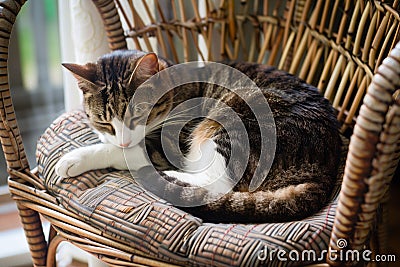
(100, 156)
(87, 158)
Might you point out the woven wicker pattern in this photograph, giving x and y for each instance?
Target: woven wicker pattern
(345, 48)
(378, 129)
(12, 142)
(335, 45)
(113, 203)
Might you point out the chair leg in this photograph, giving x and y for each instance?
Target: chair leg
(34, 234)
(52, 250)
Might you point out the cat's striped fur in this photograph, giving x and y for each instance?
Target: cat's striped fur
(305, 162)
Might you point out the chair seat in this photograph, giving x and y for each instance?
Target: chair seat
(112, 202)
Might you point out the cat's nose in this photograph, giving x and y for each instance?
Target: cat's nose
(125, 145)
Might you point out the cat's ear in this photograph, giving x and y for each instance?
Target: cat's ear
(83, 73)
(146, 67)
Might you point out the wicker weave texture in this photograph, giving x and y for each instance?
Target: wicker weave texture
(11, 138)
(112, 24)
(10, 135)
(334, 45)
(370, 170)
(113, 203)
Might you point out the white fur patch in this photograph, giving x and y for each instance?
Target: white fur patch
(204, 166)
(100, 156)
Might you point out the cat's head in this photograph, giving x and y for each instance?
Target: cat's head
(108, 86)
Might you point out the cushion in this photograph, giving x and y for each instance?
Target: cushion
(119, 208)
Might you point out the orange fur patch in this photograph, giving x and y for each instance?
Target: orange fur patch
(205, 131)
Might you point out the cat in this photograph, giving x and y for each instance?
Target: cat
(305, 163)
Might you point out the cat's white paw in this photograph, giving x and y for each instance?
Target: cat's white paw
(99, 156)
(71, 164)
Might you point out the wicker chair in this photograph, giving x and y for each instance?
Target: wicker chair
(346, 48)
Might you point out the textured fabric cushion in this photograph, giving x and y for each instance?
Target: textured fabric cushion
(112, 202)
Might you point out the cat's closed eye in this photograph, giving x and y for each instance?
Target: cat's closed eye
(106, 126)
(131, 123)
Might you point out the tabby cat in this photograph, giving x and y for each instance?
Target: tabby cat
(305, 160)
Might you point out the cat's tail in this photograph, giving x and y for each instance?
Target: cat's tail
(293, 202)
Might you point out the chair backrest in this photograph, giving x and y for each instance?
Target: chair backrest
(335, 45)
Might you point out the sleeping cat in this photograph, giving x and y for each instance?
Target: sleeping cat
(306, 157)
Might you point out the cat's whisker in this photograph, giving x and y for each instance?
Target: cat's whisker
(152, 128)
(184, 111)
